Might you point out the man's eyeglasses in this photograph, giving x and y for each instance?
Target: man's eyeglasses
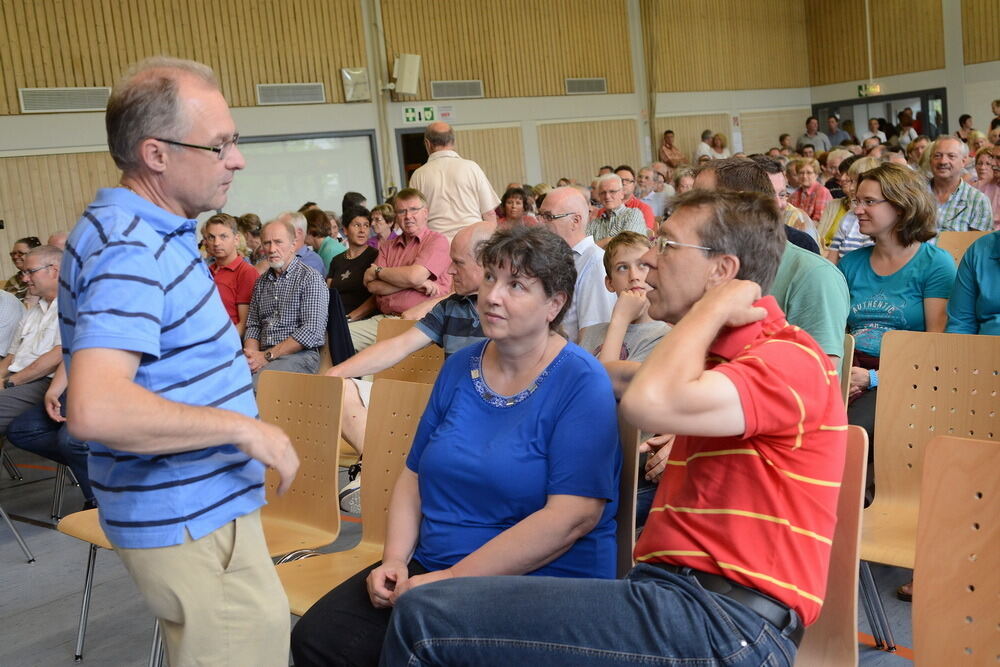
(545, 216)
(661, 243)
(867, 203)
(222, 150)
(31, 272)
(413, 210)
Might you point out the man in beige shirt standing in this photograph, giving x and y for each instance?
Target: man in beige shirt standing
(458, 192)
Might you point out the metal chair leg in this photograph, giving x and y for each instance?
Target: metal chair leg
(156, 649)
(57, 493)
(85, 606)
(12, 470)
(17, 536)
(869, 581)
(876, 628)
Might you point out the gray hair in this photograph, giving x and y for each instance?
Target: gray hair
(608, 177)
(963, 147)
(144, 103)
(47, 253)
(296, 220)
(285, 224)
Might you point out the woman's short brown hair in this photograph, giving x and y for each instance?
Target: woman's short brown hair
(317, 223)
(908, 193)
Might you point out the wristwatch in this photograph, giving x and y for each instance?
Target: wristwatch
(268, 355)
(378, 269)
(8, 383)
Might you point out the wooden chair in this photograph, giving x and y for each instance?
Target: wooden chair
(421, 366)
(832, 641)
(930, 384)
(845, 366)
(85, 526)
(956, 583)
(308, 408)
(956, 243)
(631, 438)
(395, 411)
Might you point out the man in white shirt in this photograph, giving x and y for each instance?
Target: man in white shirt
(565, 212)
(647, 193)
(36, 350)
(457, 191)
(704, 146)
(11, 310)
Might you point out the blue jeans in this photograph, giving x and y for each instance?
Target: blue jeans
(653, 617)
(34, 431)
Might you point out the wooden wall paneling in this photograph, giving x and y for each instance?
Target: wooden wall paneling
(539, 45)
(980, 36)
(688, 129)
(42, 194)
(836, 38)
(576, 149)
(498, 150)
(761, 129)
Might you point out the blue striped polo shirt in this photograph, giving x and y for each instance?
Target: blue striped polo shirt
(132, 279)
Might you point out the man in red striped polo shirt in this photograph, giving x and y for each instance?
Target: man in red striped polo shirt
(733, 560)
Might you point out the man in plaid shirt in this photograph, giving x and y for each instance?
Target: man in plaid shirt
(288, 309)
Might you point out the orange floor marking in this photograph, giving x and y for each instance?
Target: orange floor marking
(901, 651)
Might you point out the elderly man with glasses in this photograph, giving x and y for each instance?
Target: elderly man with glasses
(409, 269)
(36, 349)
(615, 217)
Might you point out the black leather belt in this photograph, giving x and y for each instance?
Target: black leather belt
(780, 616)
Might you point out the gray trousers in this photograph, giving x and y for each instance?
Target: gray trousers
(17, 399)
(303, 361)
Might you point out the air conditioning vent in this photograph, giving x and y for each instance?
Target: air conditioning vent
(290, 93)
(453, 90)
(60, 100)
(596, 86)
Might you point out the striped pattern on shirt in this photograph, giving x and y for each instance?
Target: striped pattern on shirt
(132, 279)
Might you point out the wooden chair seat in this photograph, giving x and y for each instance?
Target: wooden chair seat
(308, 579)
(889, 533)
(421, 366)
(86, 526)
(285, 535)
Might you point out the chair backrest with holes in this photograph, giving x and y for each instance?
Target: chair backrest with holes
(956, 580)
(931, 384)
(631, 438)
(393, 415)
(832, 640)
(845, 366)
(308, 409)
(421, 366)
(956, 243)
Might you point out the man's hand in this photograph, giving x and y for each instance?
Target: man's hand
(860, 381)
(370, 275)
(659, 447)
(630, 305)
(53, 407)
(255, 359)
(269, 445)
(733, 302)
(383, 580)
(429, 287)
(419, 580)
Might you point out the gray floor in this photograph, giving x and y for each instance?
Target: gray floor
(40, 603)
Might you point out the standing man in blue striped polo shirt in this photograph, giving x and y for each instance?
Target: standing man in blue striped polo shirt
(158, 384)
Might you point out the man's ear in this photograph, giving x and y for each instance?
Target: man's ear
(153, 155)
(724, 269)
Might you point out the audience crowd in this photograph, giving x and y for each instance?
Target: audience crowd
(551, 304)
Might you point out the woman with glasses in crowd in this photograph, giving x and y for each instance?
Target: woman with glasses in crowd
(15, 284)
(514, 466)
(383, 224)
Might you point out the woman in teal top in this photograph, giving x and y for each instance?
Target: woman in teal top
(318, 226)
(974, 307)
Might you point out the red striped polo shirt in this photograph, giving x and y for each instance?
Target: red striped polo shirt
(760, 508)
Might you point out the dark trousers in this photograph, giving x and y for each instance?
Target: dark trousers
(34, 431)
(861, 412)
(343, 628)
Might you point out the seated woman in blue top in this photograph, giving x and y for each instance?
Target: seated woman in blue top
(514, 467)
(901, 282)
(974, 307)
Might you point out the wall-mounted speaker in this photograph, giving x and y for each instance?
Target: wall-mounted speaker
(406, 73)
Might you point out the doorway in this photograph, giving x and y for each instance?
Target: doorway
(412, 153)
(929, 107)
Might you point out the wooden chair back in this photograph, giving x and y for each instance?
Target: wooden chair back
(393, 415)
(956, 582)
(929, 384)
(956, 243)
(832, 640)
(308, 409)
(845, 366)
(421, 366)
(631, 438)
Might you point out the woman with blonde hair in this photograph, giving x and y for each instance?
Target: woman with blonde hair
(810, 196)
(838, 222)
(718, 146)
